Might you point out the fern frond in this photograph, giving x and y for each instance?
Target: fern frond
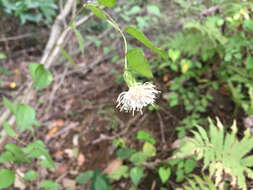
(198, 183)
(222, 153)
(203, 39)
(231, 7)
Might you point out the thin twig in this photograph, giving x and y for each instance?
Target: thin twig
(55, 89)
(13, 38)
(161, 127)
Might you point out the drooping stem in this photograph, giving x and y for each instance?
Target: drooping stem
(111, 21)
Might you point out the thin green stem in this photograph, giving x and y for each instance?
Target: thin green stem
(111, 21)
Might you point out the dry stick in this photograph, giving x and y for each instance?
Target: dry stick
(16, 37)
(153, 185)
(28, 92)
(84, 70)
(55, 88)
(56, 32)
(161, 127)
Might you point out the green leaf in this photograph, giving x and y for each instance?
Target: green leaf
(7, 157)
(38, 150)
(47, 163)
(185, 65)
(12, 107)
(107, 3)
(68, 57)
(248, 25)
(174, 54)
(180, 175)
(154, 10)
(7, 178)
(200, 182)
(189, 166)
(136, 174)
(133, 11)
(142, 38)
(97, 12)
(122, 171)
(164, 174)
(249, 62)
(125, 153)
(138, 62)
(18, 153)
(2, 56)
(48, 184)
(100, 181)
(149, 149)
(41, 76)
(173, 99)
(30, 175)
(143, 135)
(139, 157)
(84, 178)
(9, 130)
(79, 37)
(175, 161)
(25, 117)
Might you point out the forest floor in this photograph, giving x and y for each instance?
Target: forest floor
(83, 119)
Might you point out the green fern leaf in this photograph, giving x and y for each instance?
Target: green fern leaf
(222, 153)
(198, 183)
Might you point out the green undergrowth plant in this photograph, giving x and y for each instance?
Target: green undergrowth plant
(99, 180)
(198, 183)
(224, 155)
(135, 99)
(137, 164)
(210, 50)
(32, 11)
(135, 170)
(207, 38)
(184, 89)
(182, 168)
(22, 152)
(134, 11)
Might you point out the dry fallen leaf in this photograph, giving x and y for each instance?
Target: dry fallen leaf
(69, 152)
(19, 182)
(113, 166)
(61, 169)
(57, 124)
(75, 140)
(69, 183)
(80, 159)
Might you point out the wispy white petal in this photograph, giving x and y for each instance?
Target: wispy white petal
(137, 97)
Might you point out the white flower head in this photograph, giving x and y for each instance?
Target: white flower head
(138, 96)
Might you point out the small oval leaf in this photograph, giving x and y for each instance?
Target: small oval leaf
(138, 62)
(142, 38)
(7, 178)
(136, 174)
(107, 3)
